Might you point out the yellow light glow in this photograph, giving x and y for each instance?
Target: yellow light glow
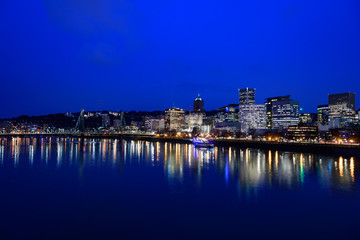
(341, 166)
(352, 169)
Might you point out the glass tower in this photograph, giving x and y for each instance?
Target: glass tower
(246, 96)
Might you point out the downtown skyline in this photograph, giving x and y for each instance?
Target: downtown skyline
(180, 119)
(301, 109)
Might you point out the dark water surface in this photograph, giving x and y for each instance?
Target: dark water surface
(65, 188)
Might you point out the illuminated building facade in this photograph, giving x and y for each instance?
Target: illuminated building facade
(269, 109)
(115, 114)
(342, 105)
(147, 122)
(308, 118)
(302, 132)
(357, 118)
(246, 96)
(323, 114)
(230, 127)
(285, 113)
(194, 119)
(252, 116)
(174, 119)
(157, 125)
(227, 113)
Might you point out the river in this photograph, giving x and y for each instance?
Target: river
(70, 188)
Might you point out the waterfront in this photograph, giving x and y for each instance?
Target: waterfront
(71, 187)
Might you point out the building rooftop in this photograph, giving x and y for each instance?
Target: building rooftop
(198, 98)
(279, 97)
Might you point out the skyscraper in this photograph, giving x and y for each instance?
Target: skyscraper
(323, 114)
(342, 105)
(227, 113)
(105, 120)
(116, 124)
(246, 96)
(252, 116)
(198, 104)
(269, 109)
(285, 113)
(174, 119)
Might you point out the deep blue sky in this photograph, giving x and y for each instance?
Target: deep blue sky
(59, 56)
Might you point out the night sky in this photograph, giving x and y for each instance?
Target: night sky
(59, 56)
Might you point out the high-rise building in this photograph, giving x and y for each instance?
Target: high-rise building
(252, 116)
(147, 122)
(227, 113)
(174, 119)
(105, 120)
(157, 125)
(323, 115)
(246, 96)
(269, 109)
(342, 105)
(198, 104)
(117, 124)
(285, 113)
(194, 119)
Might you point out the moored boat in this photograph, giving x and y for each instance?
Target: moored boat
(202, 143)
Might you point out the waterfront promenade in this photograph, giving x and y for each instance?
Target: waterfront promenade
(328, 148)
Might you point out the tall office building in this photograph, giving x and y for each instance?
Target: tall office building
(342, 105)
(323, 115)
(174, 119)
(269, 109)
(198, 104)
(105, 120)
(281, 112)
(252, 116)
(227, 113)
(116, 123)
(246, 96)
(194, 120)
(157, 125)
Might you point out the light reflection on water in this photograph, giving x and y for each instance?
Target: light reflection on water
(89, 188)
(250, 169)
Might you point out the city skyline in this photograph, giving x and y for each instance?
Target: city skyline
(180, 119)
(192, 108)
(61, 56)
(301, 110)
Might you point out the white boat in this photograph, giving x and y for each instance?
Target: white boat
(202, 143)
